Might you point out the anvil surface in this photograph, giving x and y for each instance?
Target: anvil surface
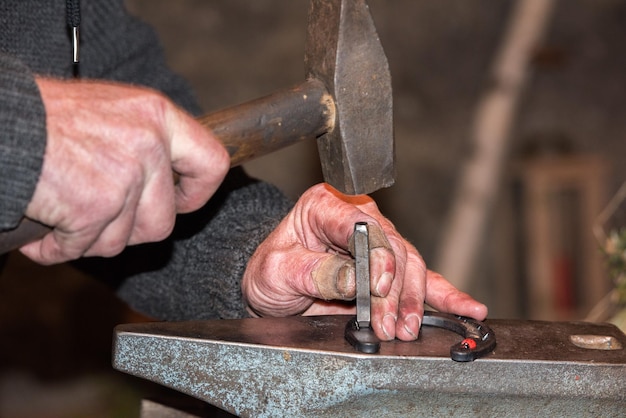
(302, 366)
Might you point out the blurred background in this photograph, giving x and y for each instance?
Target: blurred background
(506, 159)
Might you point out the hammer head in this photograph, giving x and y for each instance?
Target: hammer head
(344, 52)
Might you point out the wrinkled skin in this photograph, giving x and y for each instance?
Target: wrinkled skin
(107, 178)
(106, 183)
(305, 267)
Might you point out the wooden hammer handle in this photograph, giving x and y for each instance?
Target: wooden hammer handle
(27, 231)
(273, 122)
(248, 131)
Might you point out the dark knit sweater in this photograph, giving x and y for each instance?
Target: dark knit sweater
(196, 273)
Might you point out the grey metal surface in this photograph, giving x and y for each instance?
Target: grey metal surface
(302, 366)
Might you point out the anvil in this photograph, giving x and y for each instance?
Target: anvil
(304, 367)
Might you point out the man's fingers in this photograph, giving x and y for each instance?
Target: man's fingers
(377, 238)
(335, 276)
(403, 298)
(382, 260)
(153, 217)
(45, 251)
(199, 159)
(58, 246)
(443, 296)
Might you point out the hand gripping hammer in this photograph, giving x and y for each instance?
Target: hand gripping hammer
(345, 103)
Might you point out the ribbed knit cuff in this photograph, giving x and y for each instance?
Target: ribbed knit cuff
(202, 278)
(196, 273)
(22, 139)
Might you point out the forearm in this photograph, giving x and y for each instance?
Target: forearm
(22, 139)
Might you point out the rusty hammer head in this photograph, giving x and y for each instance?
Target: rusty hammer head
(344, 52)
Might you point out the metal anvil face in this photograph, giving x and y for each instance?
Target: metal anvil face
(302, 366)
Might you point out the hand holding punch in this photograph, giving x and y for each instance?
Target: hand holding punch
(358, 330)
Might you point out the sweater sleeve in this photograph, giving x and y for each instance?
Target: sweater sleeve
(196, 273)
(22, 139)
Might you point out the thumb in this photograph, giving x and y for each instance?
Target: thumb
(335, 278)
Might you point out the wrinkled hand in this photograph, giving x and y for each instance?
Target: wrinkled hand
(107, 178)
(304, 267)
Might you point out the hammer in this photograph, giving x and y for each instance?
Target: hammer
(345, 103)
